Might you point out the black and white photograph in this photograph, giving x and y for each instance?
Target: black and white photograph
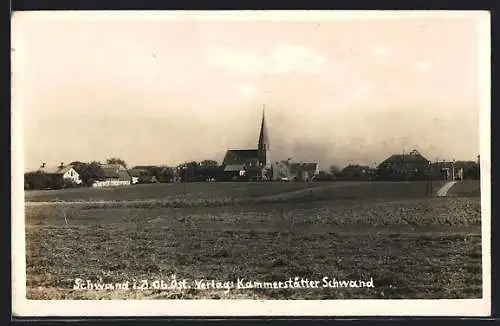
(251, 163)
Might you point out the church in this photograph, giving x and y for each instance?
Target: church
(250, 164)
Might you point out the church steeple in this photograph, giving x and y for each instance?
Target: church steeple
(264, 149)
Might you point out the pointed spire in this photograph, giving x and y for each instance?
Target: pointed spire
(263, 137)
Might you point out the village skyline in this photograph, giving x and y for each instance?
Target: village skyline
(166, 91)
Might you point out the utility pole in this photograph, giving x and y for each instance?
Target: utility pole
(185, 179)
(429, 178)
(453, 170)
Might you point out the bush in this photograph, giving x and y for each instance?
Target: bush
(58, 183)
(68, 183)
(37, 181)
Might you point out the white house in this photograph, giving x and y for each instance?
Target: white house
(66, 172)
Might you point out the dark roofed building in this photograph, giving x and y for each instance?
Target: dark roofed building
(411, 166)
(114, 175)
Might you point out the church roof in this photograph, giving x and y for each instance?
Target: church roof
(245, 153)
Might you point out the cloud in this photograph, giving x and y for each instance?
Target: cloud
(283, 59)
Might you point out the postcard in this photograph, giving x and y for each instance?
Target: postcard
(251, 163)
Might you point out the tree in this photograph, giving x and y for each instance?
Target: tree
(77, 165)
(209, 163)
(334, 170)
(116, 160)
(37, 180)
(89, 172)
(324, 176)
(188, 171)
(153, 170)
(166, 175)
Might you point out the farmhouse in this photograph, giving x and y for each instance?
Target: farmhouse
(404, 167)
(114, 175)
(61, 173)
(250, 163)
(52, 177)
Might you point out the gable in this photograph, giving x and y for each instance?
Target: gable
(71, 172)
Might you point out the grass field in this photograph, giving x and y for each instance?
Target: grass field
(229, 193)
(411, 245)
(466, 188)
(198, 190)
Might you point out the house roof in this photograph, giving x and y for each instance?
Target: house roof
(113, 166)
(413, 157)
(245, 153)
(139, 172)
(241, 156)
(124, 175)
(234, 167)
(56, 169)
(115, 171)
(110, 173)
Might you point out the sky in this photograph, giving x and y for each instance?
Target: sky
(166, 88)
